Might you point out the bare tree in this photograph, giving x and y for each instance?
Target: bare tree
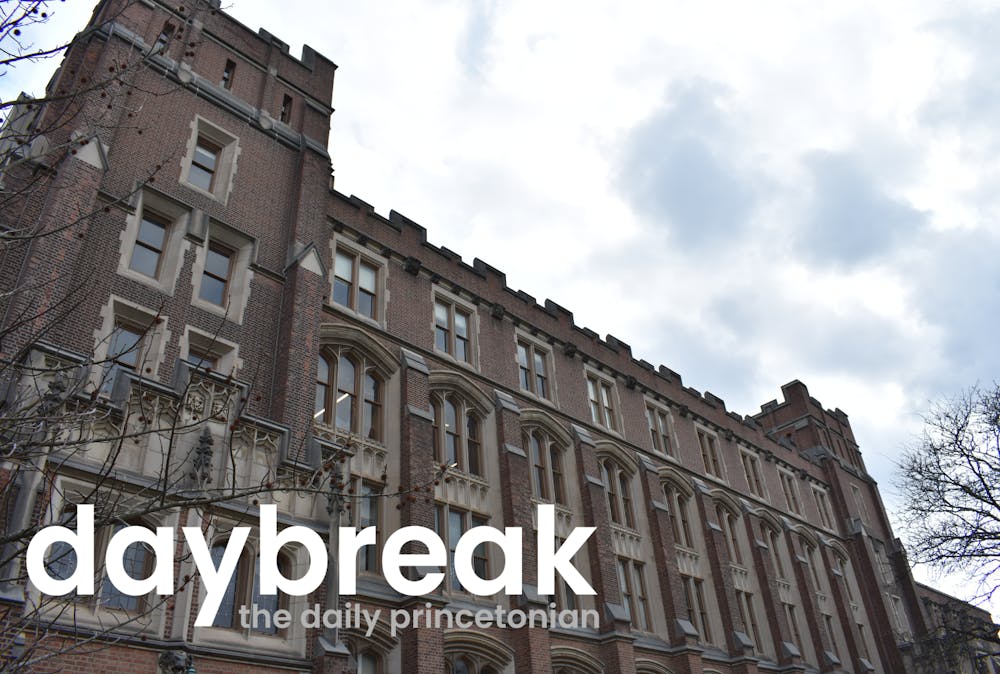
(950, 484)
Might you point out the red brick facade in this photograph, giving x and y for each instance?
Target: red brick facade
(697, 568)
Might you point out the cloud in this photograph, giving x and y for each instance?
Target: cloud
(676, 170)
(849, 219)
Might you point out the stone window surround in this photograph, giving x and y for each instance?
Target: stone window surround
(381, 265)
(240, 275)
(225, 172)
(174, 244)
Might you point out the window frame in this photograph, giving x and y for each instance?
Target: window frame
(548, 481)
(661, 429)
(678, 503)
(358, 256)
(468, 519)
(634, 591)
(467, 416)
(753, 474)
(236, 293)
(454, 307)
(527, 372)
(790, 489)
(618, 489)
(332, 355)
(602, 401)
(708, 443)
(228, 73)
(213, 138)
(221, 249)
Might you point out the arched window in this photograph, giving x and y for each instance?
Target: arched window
(138, 563)
(349, 393)
(457, 432)
(677, 510)
(546, 466)
(618, 483)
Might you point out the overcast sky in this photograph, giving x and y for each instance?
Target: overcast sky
(748, 193)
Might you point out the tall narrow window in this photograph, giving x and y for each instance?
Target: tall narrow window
(215, 277)
(823, 506)
(744, 601)
(149, 244)
(793, 624)
(790, 491)
(457, 432)
(125, 347)
(452, 330)
(450, 523)
(227, 75)
(349, 394)
(225, 616)
(728, 523)
(710, 453)
(774, 546)
(618, 483)
(602, 411)
(532, 363)
(204, 164)
(633, 589)
(751, 469)
(697, 610)
(355, 283)
(367, 514)
(286, 109)
(137, 562)
(659, 429)
(677, 510)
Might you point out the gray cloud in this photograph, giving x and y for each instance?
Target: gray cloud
(676, 170)
(849, 218)
(970, 97)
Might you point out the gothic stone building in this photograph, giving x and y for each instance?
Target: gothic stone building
(207, 313)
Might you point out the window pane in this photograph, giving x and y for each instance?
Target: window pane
(213, 290)
(199, 177)
(152, 233)
(217, 262)
(124, 346)
(343, 267)
(144, 260)
(462, 349)
(441, 339)
(522, 355)
(454, 533)
(366, 303)
(205, 156)
(341, 293)
(440, 314)
(461, 324)
(366, 277)
(224, 616)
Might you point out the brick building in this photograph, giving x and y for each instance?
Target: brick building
(241, 323)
